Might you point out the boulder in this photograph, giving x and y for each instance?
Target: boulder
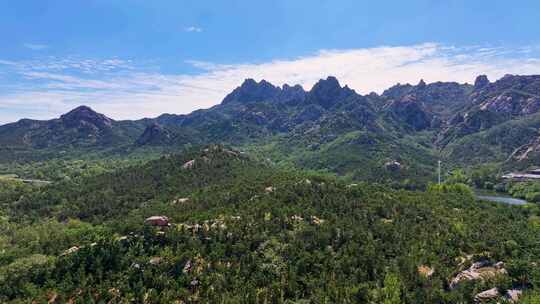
(297, 218)
(425, 271)
(157, 220)
(316, 221)
(478, 271)
(187, 267)
(512, 295)
(71, 250)
(181, 200)
(122, 238)
(188, 164)
(392, 166)
(487, 295)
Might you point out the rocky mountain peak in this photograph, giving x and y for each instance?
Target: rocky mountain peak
(481, 81)
(251, 90)
(398, 90)
(289, 94)
(328, 91)
(327, 87)
(84, 115)
(421, 84)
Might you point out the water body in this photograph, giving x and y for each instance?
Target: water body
(495, 197)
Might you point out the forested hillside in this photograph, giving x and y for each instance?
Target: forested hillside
(238, 230)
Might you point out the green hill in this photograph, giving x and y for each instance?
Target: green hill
(244, 231)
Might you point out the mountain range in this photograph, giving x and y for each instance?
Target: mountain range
(329, 127)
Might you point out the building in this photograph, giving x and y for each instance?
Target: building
(533, 174)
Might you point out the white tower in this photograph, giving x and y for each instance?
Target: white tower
(439, 172)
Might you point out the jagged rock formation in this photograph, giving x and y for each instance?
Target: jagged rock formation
(251, 90)
(329, 121)
(480, 82)
(327, 93)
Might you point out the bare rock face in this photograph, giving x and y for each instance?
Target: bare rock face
(487, 295)
(523, 153)
(441, 99)
(479, 271)
(511, 295)
(512, 102)
(515, 95)
(493, 103)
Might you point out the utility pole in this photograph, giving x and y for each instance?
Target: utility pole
(439, 172)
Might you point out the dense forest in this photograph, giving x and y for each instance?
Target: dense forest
(240, 230)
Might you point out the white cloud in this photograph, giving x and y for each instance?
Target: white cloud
(193, 29)
(35, 47)
(122, 90)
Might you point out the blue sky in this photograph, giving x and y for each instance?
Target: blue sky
(131, 58)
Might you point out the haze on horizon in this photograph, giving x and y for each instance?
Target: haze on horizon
(145, 58)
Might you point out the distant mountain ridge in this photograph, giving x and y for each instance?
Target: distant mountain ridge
(330, 126)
